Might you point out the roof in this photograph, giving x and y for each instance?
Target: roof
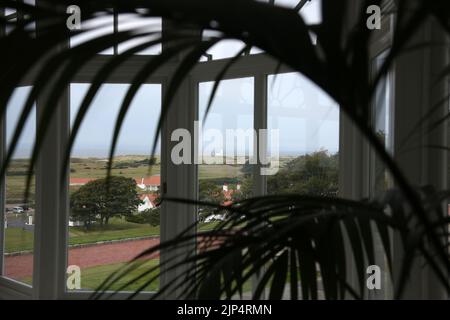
(80, 181)
(151, 196)
(149, 181)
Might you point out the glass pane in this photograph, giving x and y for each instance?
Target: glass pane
(99, 26)
(308, 124)
(140, 24)
(380, 178)
(223, 49)
(32, 25)
(9, 11)
(382, 126)
(307, 121)
(225, 149)
(310, 12)
(11, 19)
(19, 212)
(107, 229)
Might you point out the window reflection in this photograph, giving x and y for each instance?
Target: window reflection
(308, 124)
(19, 212)
(107, 228)
(225, 152)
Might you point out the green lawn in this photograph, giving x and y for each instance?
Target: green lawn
(219, 171)
(18, 239)
(96, 168)
(116, 230)
(93, 277)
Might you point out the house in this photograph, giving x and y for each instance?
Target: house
(149, 202)
(228, 193)
(75, 223)
(151, 183)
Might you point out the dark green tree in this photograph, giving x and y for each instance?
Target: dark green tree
(149, 216)
(311, 174)
(152, 216)
(99, 201)
(209, 192)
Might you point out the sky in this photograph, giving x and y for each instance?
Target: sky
(306, 118)
(139, 126)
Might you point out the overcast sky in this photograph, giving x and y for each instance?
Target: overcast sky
(307, 119)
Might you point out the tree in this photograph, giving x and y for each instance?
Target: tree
(247, 168)
(149, 216)
(311, 174)
(152, 216)
(209, 192)
(246, 190)
(97, 201)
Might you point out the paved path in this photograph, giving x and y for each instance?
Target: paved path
(21, 266)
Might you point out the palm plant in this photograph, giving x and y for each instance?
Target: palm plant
(282, 239)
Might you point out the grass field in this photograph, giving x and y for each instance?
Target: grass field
(16, 181)
(17, 239)
(126, 166)
(116, 230)
(93, 277)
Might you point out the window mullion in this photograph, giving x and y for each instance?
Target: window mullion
(260, 123)
(260, 143)
(2, 179)
(51, 195)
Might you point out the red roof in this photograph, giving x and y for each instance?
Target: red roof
(228, 195)
(80, 181)
(149, 181)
